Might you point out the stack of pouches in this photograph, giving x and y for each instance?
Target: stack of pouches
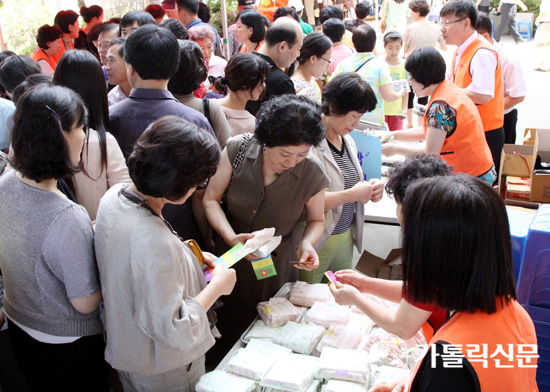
(277, 312)
(256, 359)
(300, 338)
(305, 294)
(326, 314)
(291, 373)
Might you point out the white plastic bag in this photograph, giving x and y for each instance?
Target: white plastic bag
(343, 386)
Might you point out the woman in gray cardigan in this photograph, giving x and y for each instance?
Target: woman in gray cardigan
(345, 99)
(52, 290)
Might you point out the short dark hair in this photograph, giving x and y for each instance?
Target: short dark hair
(4, 55)
(364, 38)
(155, 10)
(192, 70)
(93, 34)
(427, 66)
(176, 27)
(331, 11)
(415, 167)
(392, 36)
(171, 157)
(64, 19)
(289, 120)
(461, 9)
(43, 113)
(254, 19)
(109, 27)
(47, 34)
(141, 17)
(88, 13)
(281, 32)
(153, 52)
(334, 29)
(204, 12)
(15, 69)
(420, 6)
(119, 41)
(362, 9)
(191, 6)
(244, 71)
(315, 44)
(457, 252)
(352, 24)
(484, 24)
(31, 81)
(286, 11)
(345, 93)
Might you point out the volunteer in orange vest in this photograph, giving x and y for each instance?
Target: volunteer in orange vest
(67, 21)
(476, 68)
(268, 7)
(49, 43)
(457, 256)
(452, 125)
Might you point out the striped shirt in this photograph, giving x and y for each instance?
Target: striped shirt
(351, 177)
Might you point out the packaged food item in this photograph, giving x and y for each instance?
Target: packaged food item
(338, 336)
(347, 365)
(361, 323)
(305, 294)
(256, 359)
(300, 338)
(261, 331)
(387, 349)
(292, 373)
(387, 374)
(277, 312)
(218, 381)
(327, 314)
(343, 386)
(313, 387)
(263, 242)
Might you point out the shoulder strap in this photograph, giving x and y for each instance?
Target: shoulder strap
(206, 110)
(240, 152)
(361, 66)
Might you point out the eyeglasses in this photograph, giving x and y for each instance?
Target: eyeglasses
(447, 24)
(327, 60)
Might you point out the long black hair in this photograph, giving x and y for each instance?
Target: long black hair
(81, 71)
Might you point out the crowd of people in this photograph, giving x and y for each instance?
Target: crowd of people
(125, 139)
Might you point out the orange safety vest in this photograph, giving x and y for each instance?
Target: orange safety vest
(39, 54)
(510, 324)
(466, 149)
(63, 49)
(492, 113)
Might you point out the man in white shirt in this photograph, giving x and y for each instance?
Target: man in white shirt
(513, 79)
(116, 72)
(476, 69)
(508, 9)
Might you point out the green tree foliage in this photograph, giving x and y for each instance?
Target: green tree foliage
(20, 20)
(216, 13)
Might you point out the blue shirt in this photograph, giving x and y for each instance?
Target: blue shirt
(198, 22)
(7, 108)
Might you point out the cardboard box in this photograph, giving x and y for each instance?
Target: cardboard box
(389, 268)
(516, 160)
(518, 188)
(529, 136)
(540, 179)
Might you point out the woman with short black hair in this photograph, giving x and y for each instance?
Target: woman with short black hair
(191, 72)
(270, 179)
(156, 298)
(15, 69)
(250, 30)
(244, 81)
(67, 21)
(92, 17)
(345, 99)
(49, 43)
(452, 127)
(46, 249)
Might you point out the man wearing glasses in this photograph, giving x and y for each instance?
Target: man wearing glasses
(476, 68)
